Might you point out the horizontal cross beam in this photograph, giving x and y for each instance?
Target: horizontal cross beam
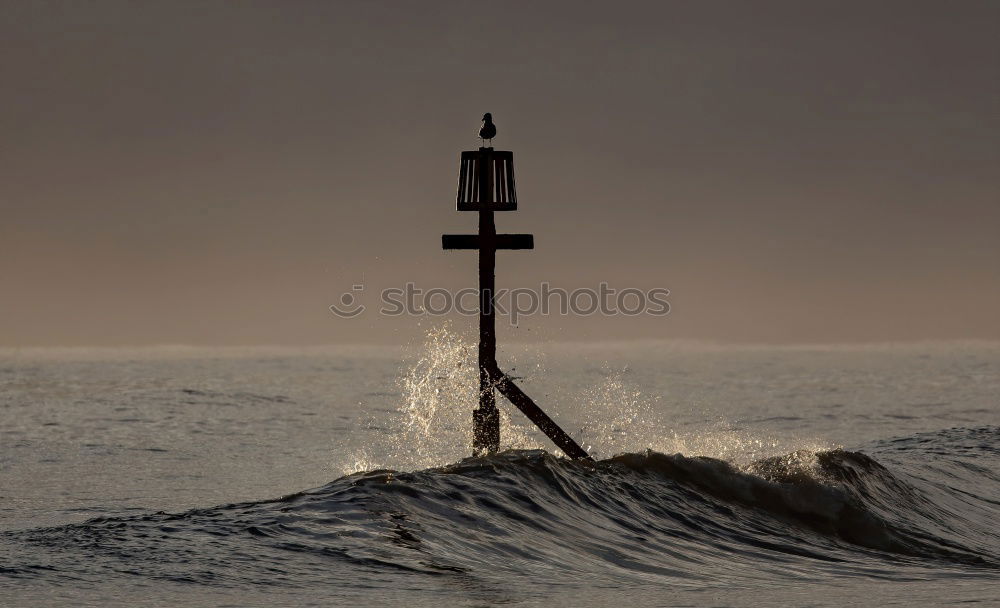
(464, 206)
(500, 241)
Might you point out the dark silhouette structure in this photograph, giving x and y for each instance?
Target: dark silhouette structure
(486, 184)
(489, 130)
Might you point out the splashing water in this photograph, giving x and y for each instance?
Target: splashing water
(439, 389)
(433, 425)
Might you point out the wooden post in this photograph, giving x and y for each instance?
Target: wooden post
(486, 418)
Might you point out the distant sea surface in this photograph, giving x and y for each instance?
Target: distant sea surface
(723, 476)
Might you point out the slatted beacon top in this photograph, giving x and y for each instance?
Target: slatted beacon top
(486, 184)
(496, 169)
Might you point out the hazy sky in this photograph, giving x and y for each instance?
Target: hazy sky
(220, 172)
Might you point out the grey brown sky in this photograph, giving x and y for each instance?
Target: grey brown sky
(219, 172)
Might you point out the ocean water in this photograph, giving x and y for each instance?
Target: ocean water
(723, 476)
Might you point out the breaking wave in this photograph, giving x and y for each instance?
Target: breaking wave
(918, 507)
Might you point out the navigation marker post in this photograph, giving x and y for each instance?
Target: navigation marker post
(486, 184)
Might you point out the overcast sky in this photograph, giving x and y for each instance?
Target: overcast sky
(220, 172)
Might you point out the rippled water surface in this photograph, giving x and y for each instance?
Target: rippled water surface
(723, 475)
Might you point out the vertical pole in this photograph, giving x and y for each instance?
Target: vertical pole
(486, 418)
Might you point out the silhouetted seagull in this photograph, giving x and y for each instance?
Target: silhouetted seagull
(489, 130)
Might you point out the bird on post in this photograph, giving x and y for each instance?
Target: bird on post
(489, 130)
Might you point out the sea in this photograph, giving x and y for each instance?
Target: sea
(722, 475)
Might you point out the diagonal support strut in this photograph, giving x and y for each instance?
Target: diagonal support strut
(515, 395)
